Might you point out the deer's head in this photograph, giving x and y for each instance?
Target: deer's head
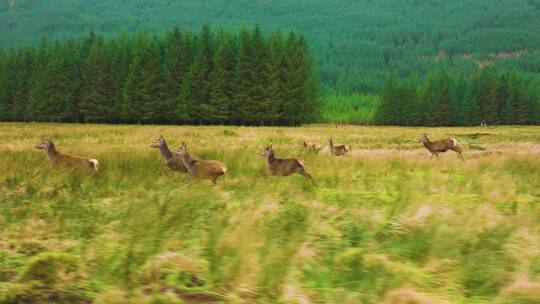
(160, 142)
(182, 149)
(45, 144)
(423, 137)
(267, 151)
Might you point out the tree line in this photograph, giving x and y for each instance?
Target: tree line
(242, 77)
(490, 94)
(356, 46)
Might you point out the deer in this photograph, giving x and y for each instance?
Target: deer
(338, 150)
(58, 158)
(284, 167)
(172, 160)
(209, 169)
(312, 147)
(441, 146)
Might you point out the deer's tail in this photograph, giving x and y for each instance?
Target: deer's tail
(94, 163)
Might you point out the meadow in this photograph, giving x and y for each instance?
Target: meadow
(385, 224)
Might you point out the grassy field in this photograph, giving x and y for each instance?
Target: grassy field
(385, 224)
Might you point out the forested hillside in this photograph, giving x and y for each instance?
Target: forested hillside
(357, 43)
(221, 77)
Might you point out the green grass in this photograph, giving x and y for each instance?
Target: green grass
(384, 224)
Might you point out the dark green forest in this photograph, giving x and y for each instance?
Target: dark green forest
(356, 43)
(395, 62)
(178, 77)
(488, 95)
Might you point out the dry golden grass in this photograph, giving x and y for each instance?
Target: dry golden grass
(384, 224)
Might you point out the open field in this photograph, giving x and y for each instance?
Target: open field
(385, 224)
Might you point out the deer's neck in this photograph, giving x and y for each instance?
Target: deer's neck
(188, 161)
(270, 158)
(52, 152)
(427, 143)
(165, 152)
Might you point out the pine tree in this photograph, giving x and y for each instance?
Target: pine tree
(386, 113)
(311, 87)
(223, 80)
(258, 92)
(443, 102)
(244, 104)
(22, 74)
(534, 100)
(485, 92)
(135, 92)
(297, 103)
(96, 89)
(197, 92)
(410, 106)
(153, 104)
(36, 107)
(177, 59)
(276, 77)
(519, 99)
(461, 97)
(120, 53)
(7, 85)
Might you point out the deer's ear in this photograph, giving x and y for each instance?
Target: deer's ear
(160, 136)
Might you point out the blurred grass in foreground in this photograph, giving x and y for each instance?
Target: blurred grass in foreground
(384, 225)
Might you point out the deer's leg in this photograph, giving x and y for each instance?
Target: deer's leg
(214, 180)
(303, 172)
(458, 151)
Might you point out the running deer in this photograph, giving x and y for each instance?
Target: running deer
(312, 147)
(58, 158)
(210, 169)
(172, 160)
(286, 166)
(440, 146)
(339, 150)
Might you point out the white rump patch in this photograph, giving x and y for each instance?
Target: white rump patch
(454, 141)
(95, 162)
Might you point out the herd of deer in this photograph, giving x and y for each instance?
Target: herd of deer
(212, 169)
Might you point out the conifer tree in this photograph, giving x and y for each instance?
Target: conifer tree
(258, 89)
(197, 92)
(36, 108)
(223, 80)
(386, 113)
(276, 77)
(243, 103)
(96, 88)
(485, 92)
(134, 91)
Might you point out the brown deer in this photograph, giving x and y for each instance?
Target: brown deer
(441, 146)
(172, 160)
(286, 166)
(210, 169)
(338, 150)
(58, 158)
(312, 147)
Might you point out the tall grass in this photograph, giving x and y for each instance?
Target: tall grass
(385, 224)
